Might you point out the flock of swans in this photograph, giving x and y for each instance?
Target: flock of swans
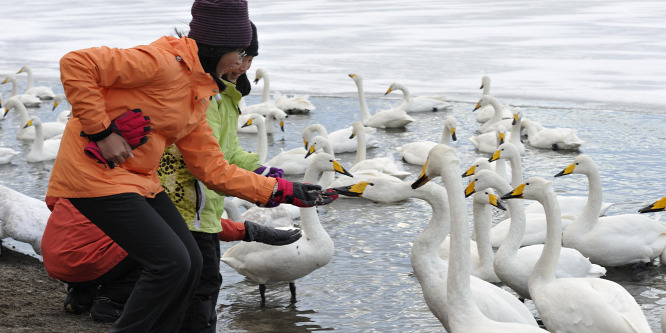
(553, 251)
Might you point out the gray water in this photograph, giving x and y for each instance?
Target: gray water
(369, 285)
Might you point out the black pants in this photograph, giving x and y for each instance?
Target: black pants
(155, 236)
(201, 316)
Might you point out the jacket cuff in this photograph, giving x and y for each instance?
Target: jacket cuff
(231, 231)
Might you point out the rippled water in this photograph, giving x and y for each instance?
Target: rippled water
(369, 285)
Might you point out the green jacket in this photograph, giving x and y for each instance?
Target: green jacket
(200, 207)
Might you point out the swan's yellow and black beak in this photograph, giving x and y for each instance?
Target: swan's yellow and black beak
(500, 138)
(355, 190)
(481, 85)
(515, 119)
(28, 124)
(657, 206)
(310, 151)
(339, 169)
(567, 171)
(495, 201)
(20, 71)
(256, 80)
(352, 136)
(469, 171)
(478, 106)
(423, 178)
(495, 157)
(517, 193)
(6, 112)
(453, 134)
(305, 143)
(469, 190)
(247, 123)
(5, 81)
(282, 125)
(352, 75)
(55, 105)
(388, 91)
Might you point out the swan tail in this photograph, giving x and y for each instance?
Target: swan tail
(596, 271)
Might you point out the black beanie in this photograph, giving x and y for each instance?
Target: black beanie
(253, 49)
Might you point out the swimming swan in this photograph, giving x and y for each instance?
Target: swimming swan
(417, 152)
(49, 129)
(485, 113)
(551, 138)
(574, 304)
(266, 105)
(419, 103)
(340, 140)
(391, 118)
(41, 92)
(42, 150)
(385, 165)
(30, 101)
(273, 116)
(614, 240)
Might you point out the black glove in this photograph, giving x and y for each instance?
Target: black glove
(255, 232)
(302, 194)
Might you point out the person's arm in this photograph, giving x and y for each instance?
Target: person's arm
(253, 232)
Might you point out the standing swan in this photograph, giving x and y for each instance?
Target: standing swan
(464, 311)
(265, 264)
(391, 118)
(574, 304)
(614, 240)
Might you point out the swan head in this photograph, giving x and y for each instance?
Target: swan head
(278, 115)
(504, 151)
(479, 164)
(483, 101)
(310, 130)
(327, 162)
(517, 115)
(318, 142)
(487, 197)
(482, 180)
(358, 79)
(253, 119)
(395, 86)
(438, 157)
(34, 121)
(535, 188)
(450, 123)
(485, 81)
(57, 100)
(657, 206)
(357, 128)
(23, 69)
(582, 164)
(12, 103)
(258, 75)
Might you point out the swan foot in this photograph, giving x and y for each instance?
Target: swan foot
(262, 292)
(292, 289)
(555, 146)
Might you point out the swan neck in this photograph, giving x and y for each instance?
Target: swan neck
(365, 114)
(446, 136)
(310, 223)
(360, 146)
(262, 141)
(266, 91)
(482, 221)
(516, 170)
(594, 196)
(405, 93)
(547, 263)
(38, 144)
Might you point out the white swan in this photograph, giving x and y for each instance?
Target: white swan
(513, 263)
(49, 129)
(462, 300)
(22, 218)
(417, 152)
(483, 142)
(385, 165)
(340, 140)
(551, 138)
(42, 92)
(489, 125)
(7, 155)
(485, 113)
(30, 101)
(574, 304)
(265, 264)
(274, 115)
(63, 116)
(294, 104)
(321, 143)
(391, 118)
(266, 105)
(262, 140)
(281, 216)
(419, 103)
(488, 142)
(292, 162)
(614, 240)
(42, 150)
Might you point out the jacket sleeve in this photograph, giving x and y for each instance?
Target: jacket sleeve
(204, 159)
(225, 129)
(231, 231)
(85, 73)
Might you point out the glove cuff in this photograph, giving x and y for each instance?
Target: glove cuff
(98, 136)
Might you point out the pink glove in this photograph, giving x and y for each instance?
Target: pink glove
(133, 126)
(93, 152)
(302, 195)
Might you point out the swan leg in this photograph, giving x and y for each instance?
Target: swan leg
(262, 292)
(292, 288)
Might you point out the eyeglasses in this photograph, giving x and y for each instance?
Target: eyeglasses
(241, 53)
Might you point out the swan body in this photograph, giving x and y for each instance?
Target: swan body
(486, 112)
(7, 155)
(41, 92)
(49, 129)
(293, 161)
(574, 304)
(417, 152)
(551, 138)
(42, 150)
(22, 218)
(30, 101)
(385, 165)
(265, 264)
(294, 104)
(282, 216)
(340, 140)
(391, 118)
(419, 103)
(513, 263)
(274, 115)
(488, 142)
(614, 240)
(464, 308)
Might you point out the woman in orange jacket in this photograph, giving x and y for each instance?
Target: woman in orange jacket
(127, 106)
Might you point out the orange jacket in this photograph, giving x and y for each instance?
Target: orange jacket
(166, 81)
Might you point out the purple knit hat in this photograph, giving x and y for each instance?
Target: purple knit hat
(221, 23)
